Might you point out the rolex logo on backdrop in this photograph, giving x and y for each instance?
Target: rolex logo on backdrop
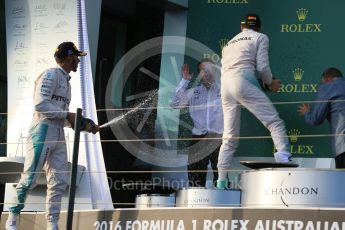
(298, 74)
(223, 42)
(302, 15)
(296, 147)
(215, 57)
(296, 86)
(293, 135)
(227, 1)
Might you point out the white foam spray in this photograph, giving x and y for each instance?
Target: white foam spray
(148, 100)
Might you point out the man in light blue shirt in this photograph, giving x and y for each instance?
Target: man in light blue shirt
(204, 104)
(330, 105)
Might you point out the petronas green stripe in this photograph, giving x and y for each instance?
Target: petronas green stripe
(38, 134)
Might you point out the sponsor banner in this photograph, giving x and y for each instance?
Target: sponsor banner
(228, 1)
(198, 219)
(292, 188)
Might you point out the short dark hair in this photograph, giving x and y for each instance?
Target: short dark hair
(331, 72)
(60, 60)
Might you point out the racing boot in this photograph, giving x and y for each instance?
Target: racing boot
(52, 225)
(222, 184)
(283, 157)
(11, 223)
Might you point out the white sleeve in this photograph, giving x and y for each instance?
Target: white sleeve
(181, 96)
(262, 61)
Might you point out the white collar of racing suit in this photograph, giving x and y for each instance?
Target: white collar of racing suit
(68, 77)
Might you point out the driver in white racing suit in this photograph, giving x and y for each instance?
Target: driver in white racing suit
(244, 56)
(46, 147)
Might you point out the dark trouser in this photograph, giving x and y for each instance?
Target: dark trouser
(340, 161)
(197, 169)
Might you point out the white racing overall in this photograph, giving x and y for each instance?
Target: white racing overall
(243, 57)
(46, 147)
